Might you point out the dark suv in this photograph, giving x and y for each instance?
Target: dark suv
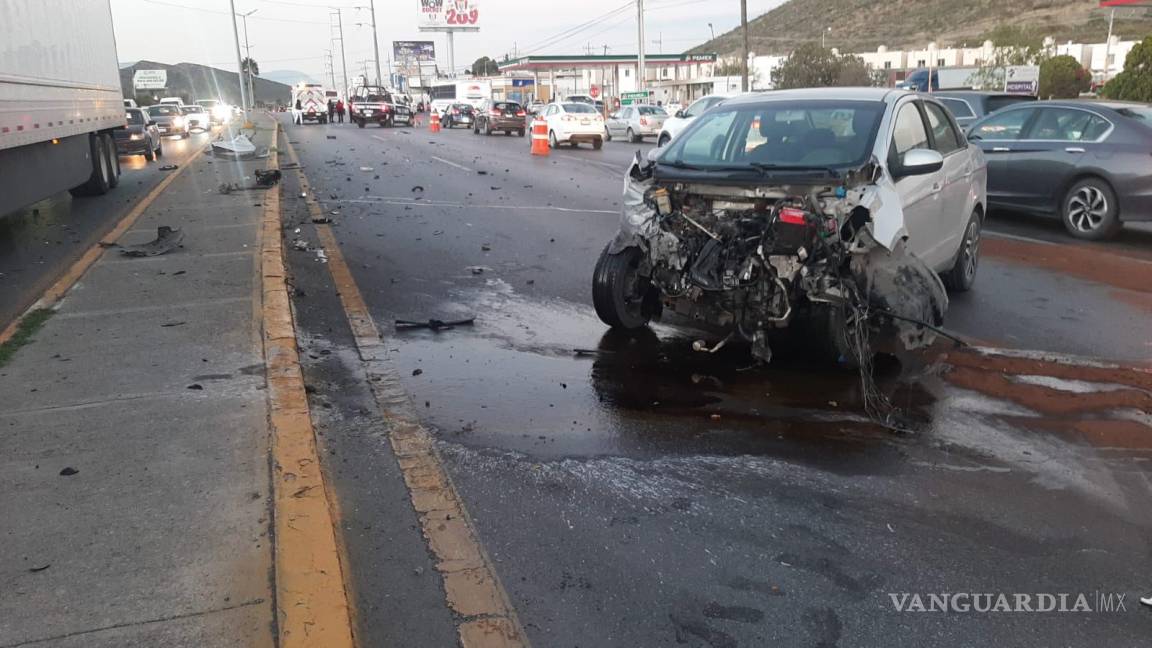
(504, 116)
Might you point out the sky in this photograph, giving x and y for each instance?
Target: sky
(295, 34)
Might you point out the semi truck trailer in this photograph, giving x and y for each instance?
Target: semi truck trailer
(60, 100)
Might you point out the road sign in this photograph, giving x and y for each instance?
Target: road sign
(150, 79)
(629, 98)
(594, 91)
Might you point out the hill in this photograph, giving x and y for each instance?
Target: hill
(288, 77)
(193, 81)
(864, 25)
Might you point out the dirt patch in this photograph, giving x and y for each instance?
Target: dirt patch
(1105, 266)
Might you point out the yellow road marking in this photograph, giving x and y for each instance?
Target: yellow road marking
(312, 603)
(472, 589)
(64, 283)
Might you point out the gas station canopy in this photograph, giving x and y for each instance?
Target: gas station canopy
(537, 63)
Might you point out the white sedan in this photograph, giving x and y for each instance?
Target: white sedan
(681, 118)
(572, 123)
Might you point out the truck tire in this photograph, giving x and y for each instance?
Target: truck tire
(97, 184)
(113, 161)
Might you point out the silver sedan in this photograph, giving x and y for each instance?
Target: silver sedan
(634, 123)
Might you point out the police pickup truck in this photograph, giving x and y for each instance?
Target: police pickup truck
(376, 104)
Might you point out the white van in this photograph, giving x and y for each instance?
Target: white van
(313, 102)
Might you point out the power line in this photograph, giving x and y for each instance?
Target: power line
(225, 13)
(573, 31)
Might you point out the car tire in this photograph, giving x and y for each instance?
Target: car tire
(1090, 211)
(618, 292)
(962, 274)
(552, 141)
(360, 123)
(607, 134)
(488, 129)
(664, 139)
(159, 148)
(631, 137)
(598, 143)
(520, 132)
(150, 152)
(97, 183)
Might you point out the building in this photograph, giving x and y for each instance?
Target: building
(668, 77)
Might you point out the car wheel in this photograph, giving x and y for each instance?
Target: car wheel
(618, 290)
(1090, 211)
(552, 143)
(488, 128)
(520, 132)
(963, 273)
(631, 136)
(598, 143)
(360, 123)
(607, 134)
(150, 152)
(159, 148)
(664, 139)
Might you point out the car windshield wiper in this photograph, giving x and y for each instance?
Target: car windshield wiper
(767, 168)
(677, 164)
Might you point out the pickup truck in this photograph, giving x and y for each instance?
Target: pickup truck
(376, 104)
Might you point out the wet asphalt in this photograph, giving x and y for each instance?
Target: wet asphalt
(634, 493)
(40, 242)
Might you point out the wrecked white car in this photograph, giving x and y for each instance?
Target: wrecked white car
(842, 212)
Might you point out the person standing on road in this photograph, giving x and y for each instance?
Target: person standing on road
(298, 113)
(340, 111)
(331, 108)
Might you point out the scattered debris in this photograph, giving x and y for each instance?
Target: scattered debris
(485, 247)
(168, 167)
(434, 324)
(481, 173)
(321, 256)
(171, 324)
(417, 372)
(331, 136)
(300, 244)
(267, 178)
(39, 569)
(417, 189)
(68, 472)
(239, 146)
(321, 219)
(476, 270)
(366, 169)
(196, 387)
(226, 188)
(166, 239)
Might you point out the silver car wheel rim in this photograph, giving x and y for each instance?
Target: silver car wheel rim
(1087, 209)
(971, 251)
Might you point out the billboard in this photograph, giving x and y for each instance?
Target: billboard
(449, 15)
(150, 79)
(414, 50)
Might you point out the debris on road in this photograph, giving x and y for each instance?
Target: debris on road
(68, 472)
(196, 387)
(168, 167)
(417, 372)
(321, 219)
(300, 244)
(38, 569)
(267, 178)
(417, 189)
(433, 324)
(167, 239)
(331, 136)
(476, 270)
(321, 256)
(366, 169)
(172, 324)
(239, 146)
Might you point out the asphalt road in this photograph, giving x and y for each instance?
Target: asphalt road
(38, 243)
(644, 495)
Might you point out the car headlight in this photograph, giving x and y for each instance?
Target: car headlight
(136, 136)
(221, 112)
(177, 121)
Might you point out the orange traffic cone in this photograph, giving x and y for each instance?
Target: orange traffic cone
(539, 137)
(434, 124)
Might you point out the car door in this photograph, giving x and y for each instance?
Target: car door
(1050, 151)
(616, 122)
(997, 135)
(919, 194)
(955, 194)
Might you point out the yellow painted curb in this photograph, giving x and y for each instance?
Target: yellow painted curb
(472, 589)
(64, 283)
(311, 600)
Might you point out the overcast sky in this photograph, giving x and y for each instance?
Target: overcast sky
(294, 34)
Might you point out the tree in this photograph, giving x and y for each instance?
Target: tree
(1062, 77)
(1011, 45)
(1134, 83)
(485, 66)
(812, 66)
(250, 66)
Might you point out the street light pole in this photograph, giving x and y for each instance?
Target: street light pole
(712, 30)
(239, 59)
(375, 39)
(744, 58)
(248, 53)
(343, 59)
(641, 75)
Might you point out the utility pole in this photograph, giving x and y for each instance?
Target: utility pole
(1108, 45)
(659, 42)
(248, 53)
(712, 30)
(239, 59)
(330, 66)
(375, 40)
(641, 75)
(343, 60)
(744, 58)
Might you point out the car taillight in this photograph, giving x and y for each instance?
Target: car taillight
(643, 121)
(792, 216)
(494, 112)
(521, 114)
(455, 112)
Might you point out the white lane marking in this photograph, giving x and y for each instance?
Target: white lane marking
(408, 202)
(1017, 237)
(377, 137)
(453, 164)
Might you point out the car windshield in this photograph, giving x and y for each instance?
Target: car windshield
(578, 108)
(163, 111)
(507, 106)
(651, 110)
(135, 117)
(796, 134)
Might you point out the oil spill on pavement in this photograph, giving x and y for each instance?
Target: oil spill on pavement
(1109, 267)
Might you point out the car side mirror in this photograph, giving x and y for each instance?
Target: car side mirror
(680, 114)
(151, 122)
(919, 162)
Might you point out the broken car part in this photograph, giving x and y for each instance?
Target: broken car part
(166, 239)
(434, 324)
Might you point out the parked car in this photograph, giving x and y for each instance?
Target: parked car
(801, 208)
(636, 122)
(572, 123)
(169, 120)
(140, 137)
(535, 106)
(493, 115)
(197, 118)
(680, 120)
(458, 114)
(969, 105)
(1085, 161)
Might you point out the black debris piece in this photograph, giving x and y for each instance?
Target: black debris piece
(39, 569)
(196, 387)
(168, 167)
(171, 324)
(68, 472)
(417, 189)
(167, 239)
(267, 178)
(417, 372)
(331, 137)
(433, 324)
